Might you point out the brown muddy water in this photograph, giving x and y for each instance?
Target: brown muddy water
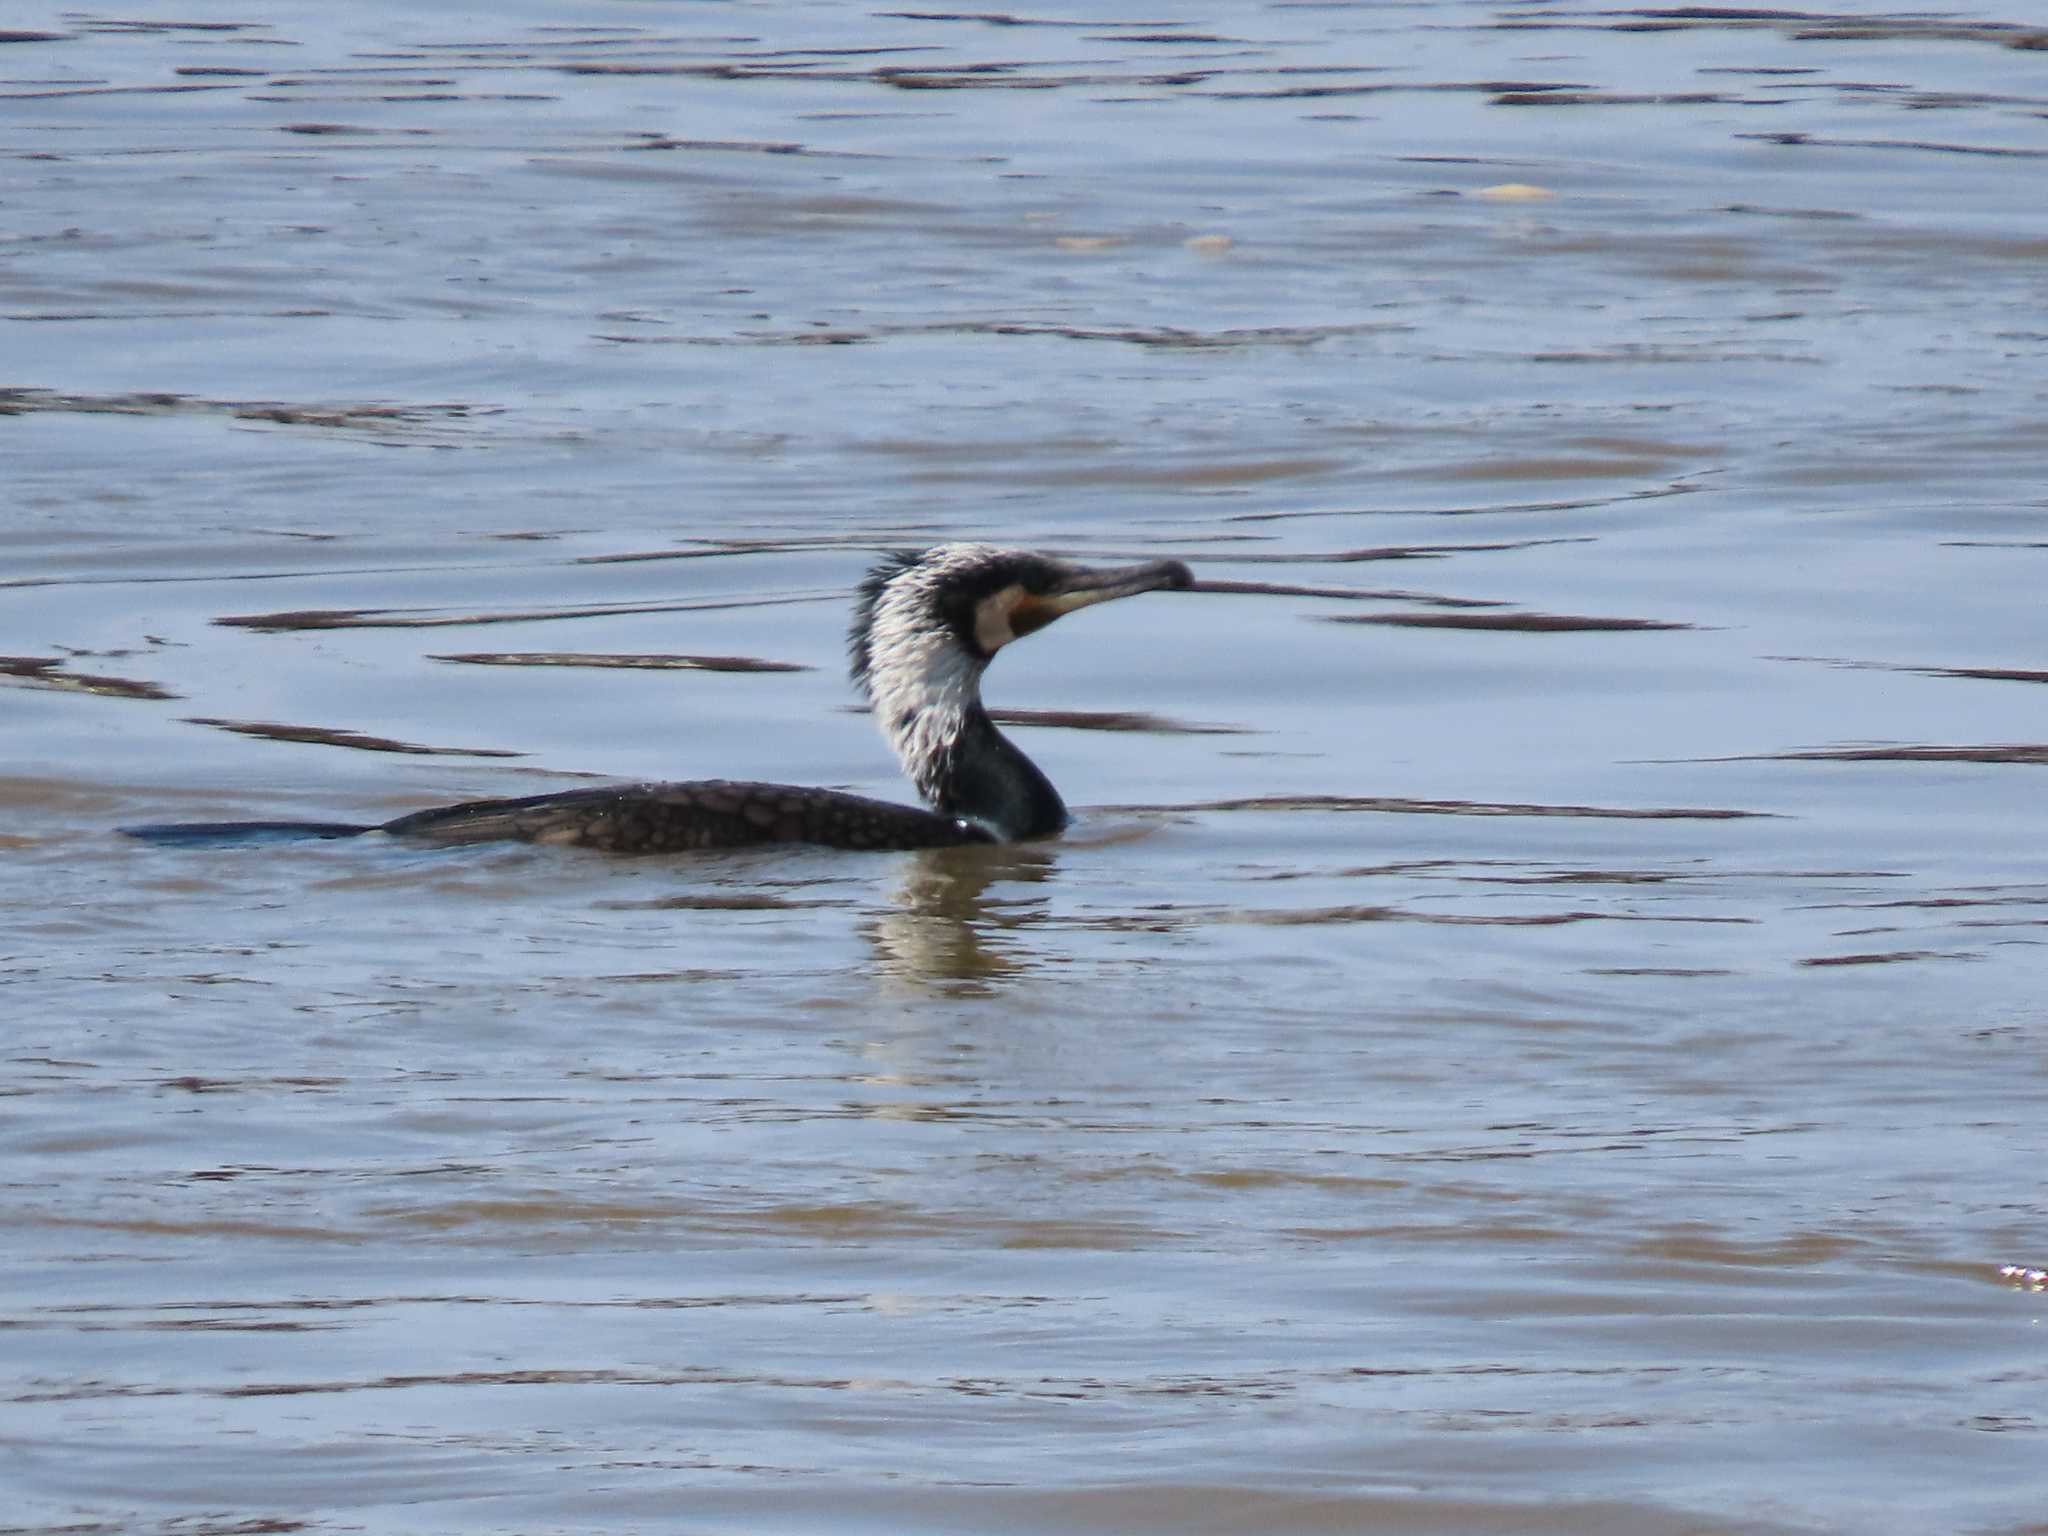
(1539, 1025)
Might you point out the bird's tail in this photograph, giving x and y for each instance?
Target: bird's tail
(227, 834)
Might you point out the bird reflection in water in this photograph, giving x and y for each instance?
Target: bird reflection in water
(956, 924)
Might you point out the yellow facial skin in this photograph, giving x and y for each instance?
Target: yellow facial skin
(1013, 612)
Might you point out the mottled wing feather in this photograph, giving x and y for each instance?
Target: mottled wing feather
(677, 818)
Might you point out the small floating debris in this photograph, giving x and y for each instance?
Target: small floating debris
(2025, 1276)
(324, 736)
(648, 662)
(47, 672)
(1514, 192)
(1533, 623)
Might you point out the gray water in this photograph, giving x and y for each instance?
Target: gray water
(1538, 1024)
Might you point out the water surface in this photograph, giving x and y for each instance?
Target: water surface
(1537, 1025)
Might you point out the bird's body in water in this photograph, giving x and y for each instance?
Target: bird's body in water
(925, 627)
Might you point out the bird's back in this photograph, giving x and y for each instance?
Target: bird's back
(677, 818)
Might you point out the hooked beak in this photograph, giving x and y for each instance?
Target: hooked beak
(1081, 587)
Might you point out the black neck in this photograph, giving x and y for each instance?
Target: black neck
(986, 778)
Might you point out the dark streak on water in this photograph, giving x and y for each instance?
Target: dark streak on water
(612, 659)
(1481, 1085)
(1111, 720)
(385, 618)
(54, 672)
(1527, 623)
(1382, 803)
(330, 736)
(2017, 753)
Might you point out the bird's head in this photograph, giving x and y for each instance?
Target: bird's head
(964, 602)
(924, 628)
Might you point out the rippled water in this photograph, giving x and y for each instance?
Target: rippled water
(1538, 1025)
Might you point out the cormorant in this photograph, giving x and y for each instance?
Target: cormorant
(925, 627)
